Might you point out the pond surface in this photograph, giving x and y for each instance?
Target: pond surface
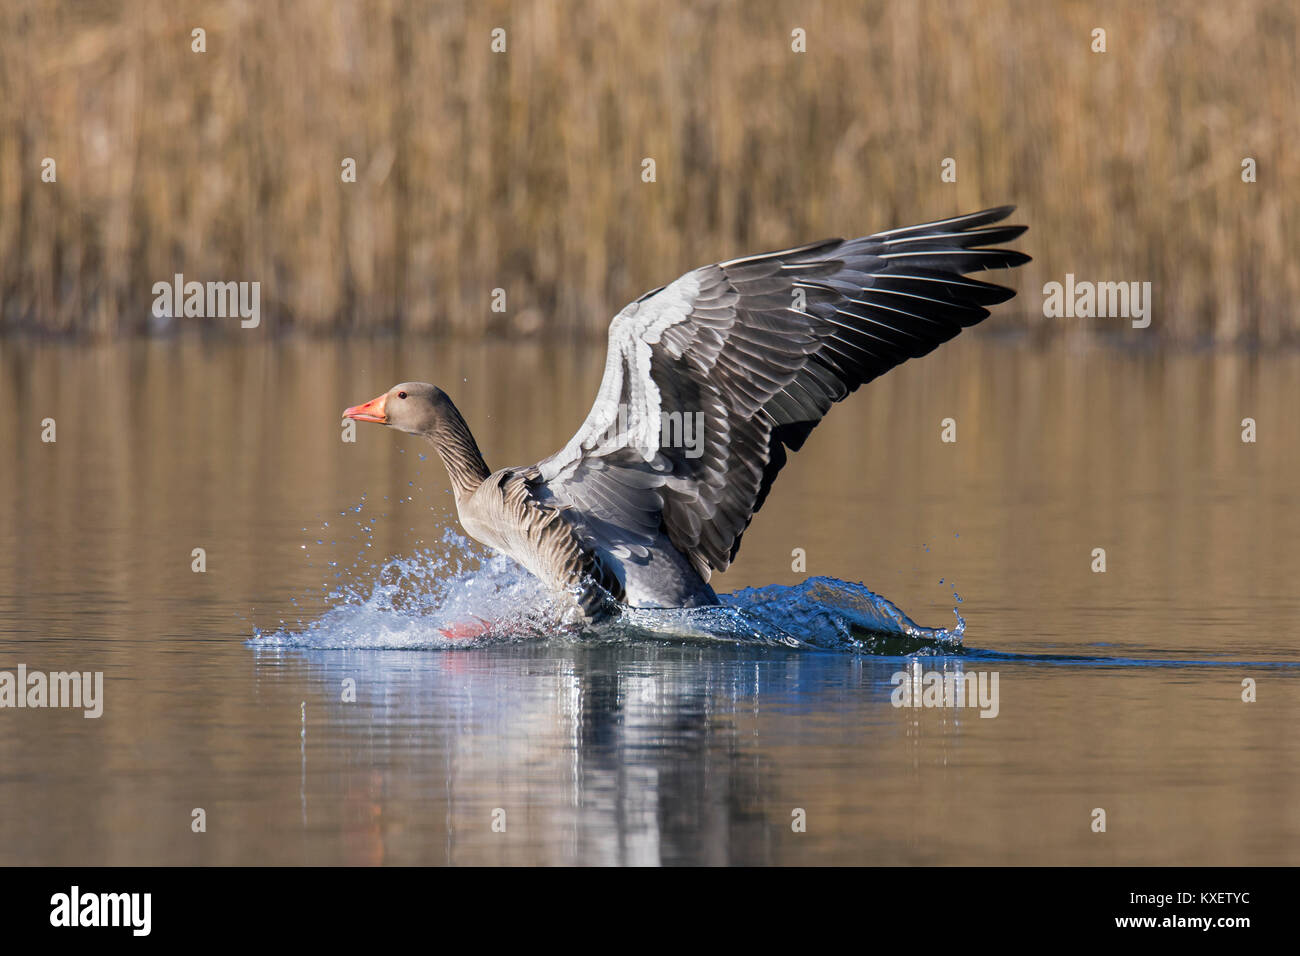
(225, 690)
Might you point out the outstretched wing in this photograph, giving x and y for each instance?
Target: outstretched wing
(752, 353)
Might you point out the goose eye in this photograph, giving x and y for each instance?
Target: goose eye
(401, 395)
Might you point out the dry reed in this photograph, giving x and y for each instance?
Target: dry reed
(522, 170)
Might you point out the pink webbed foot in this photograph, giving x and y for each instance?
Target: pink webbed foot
(465, 630)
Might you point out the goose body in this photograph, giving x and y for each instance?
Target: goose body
(709, 382)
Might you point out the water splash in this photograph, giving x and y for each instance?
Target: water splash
(430, 600)
(835, 614)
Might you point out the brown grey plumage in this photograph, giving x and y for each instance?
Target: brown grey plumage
(754, 349)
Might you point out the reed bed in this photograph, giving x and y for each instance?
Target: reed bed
(522, 170)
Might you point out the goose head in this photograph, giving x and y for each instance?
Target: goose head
(414, 407)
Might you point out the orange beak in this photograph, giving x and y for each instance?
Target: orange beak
(372, 411)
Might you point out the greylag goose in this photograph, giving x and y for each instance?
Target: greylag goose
(709, 382)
